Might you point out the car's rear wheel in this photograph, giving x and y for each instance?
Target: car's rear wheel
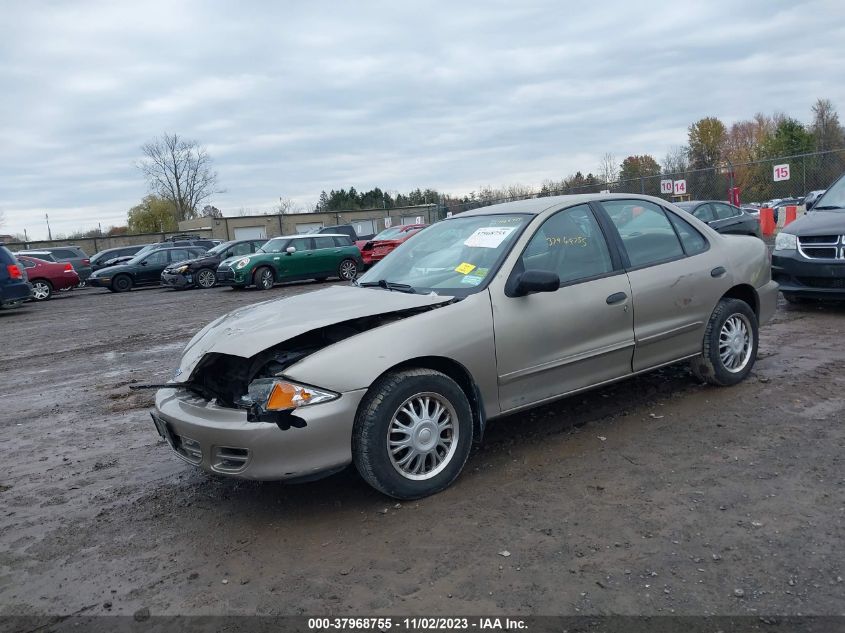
(42, 290)
(730, 344)
(206, 278)
(347, 270)
(412, 434)
(263, 278)
(121, 283)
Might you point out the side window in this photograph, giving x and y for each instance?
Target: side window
(571, 244)
(724, 211)
(342, 241)
(693, 241)
(180, 255)
(245, 248)
(645, 230)
(27, 263)
(704, 213)
(323, 242)
(301, 244)
(156, 258)
(254, 246)
(64, 254)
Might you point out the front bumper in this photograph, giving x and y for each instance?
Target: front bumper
(176, 280)
(810, 278)
(223, 441)
(99, 282)
(231, 277)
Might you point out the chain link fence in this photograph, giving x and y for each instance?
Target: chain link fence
(751, 182)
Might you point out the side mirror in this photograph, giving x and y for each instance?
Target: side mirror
(290, 250)
(536, 281)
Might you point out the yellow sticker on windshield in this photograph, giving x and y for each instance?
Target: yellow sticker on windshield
(465, 268)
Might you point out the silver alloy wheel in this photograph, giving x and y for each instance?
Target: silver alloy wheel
(206, 279)
(40, 291)
(266, 279)
(735, 343)
(348, 269)
(422, 437)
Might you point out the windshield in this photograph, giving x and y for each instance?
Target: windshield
(275, 245)
(456, 257)
(833, 199)
(388, 234)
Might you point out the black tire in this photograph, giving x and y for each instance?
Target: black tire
(710, 366)
(383, 402)
(793, 299)
(121, 283)
(347, 269)
(263, 278)
(320, 279)
(42, 290)
(203, 276)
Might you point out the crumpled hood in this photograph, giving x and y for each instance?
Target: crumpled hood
(818, 223)
(249, 330)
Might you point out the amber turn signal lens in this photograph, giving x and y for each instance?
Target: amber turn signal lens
(287, 396)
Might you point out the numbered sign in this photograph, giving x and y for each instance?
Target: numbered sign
(387, 223)
(419, 220)
(666, 186)
(680, 187)
(448, 214)
(781, 172)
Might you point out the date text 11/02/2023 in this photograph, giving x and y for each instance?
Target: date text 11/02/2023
(416, 624)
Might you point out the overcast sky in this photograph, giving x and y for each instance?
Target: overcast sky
(293, 98)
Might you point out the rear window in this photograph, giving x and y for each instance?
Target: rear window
(65, 253)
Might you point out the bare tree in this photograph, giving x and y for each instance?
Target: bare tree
(179, 170)
(608, 168)
(676, 161)
(2, 218)
(286, 205)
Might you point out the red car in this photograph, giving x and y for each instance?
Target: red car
(46, 277)
(377, 248)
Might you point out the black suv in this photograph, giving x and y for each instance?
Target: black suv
(809, 257)
(200, 272)
(14, 287)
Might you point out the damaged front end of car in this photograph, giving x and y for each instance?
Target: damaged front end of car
(258, 384)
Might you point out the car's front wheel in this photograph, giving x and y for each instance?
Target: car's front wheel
(347, 270)
(206, 278)
(121, 283)
(413, 433)
(41, 290)
(730, 344)
(263, 278)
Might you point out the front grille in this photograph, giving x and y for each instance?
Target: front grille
(225, 274)
(822, 246)
(188, 448)
(835, 283)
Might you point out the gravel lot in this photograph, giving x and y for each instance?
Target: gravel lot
(654, 496)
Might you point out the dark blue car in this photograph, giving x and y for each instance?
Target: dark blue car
(14, 287)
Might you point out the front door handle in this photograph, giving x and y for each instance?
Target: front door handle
(616, 297)
(719, 271)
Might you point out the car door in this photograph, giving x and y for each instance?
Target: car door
(149, 269)
(326, 255)
(676, 280)
(294, 265)
(728, 218)
(551, 343)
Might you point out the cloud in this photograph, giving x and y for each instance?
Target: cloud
(291, 99)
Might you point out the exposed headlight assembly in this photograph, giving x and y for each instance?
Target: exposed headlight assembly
(278, 394)
(181, 269)
(786, 242)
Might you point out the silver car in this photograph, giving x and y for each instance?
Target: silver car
(484, 314)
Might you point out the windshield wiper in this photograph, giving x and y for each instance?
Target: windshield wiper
(827, 207)
(387, 285)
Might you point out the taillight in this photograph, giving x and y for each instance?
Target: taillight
(68, 267)
(14, 271)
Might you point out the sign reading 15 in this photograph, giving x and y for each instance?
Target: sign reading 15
(781, 172)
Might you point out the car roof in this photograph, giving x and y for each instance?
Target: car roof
(304, 235)
(537, 206)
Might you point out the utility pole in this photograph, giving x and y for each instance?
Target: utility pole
(49, 233)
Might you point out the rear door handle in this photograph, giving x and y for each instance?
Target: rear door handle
(719, 271)
(617, 297)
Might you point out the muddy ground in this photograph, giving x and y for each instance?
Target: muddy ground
(654, 496)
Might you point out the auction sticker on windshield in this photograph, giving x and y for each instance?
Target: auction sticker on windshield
(489, 236)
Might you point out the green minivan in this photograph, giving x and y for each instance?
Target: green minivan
(293, 257)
